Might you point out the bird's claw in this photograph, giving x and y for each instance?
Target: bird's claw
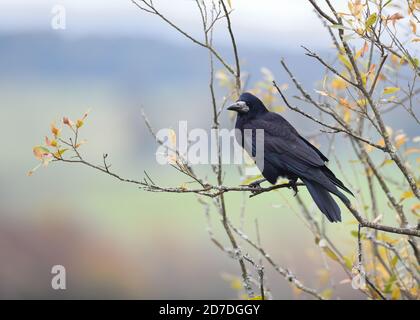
(294, 187)
(255, 184)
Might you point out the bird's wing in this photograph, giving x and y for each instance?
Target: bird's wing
(282, 139)
(315, 148)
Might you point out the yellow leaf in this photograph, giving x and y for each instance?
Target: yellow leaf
(400, 140)
(339, 84)
(386, 162)
(384, 237)
(51, 143)
(395, 59)
(390, 90)
(362, 51)
(362, 102)
(355, 8)
(407, 195)
(347, 116)
(236, 284)
(59, 153)
(396, 293)
(368, 148)
(79, 123)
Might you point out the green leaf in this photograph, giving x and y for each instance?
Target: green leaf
(371, 20)
(394, 261)
(388, 285)
(345, 61)
(327, 294)
(339, 26)
(355, 234)
(330, 254)
(348, 262)
(415, 62)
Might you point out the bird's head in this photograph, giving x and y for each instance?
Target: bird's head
(248, 104)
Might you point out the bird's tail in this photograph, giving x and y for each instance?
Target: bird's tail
(335, 180)
(325, 201)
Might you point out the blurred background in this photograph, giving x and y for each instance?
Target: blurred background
(114, 240)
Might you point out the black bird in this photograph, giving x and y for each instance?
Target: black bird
(287, 154)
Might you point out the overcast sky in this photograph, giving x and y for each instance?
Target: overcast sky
(265, 22)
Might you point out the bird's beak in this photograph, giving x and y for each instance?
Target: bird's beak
(239, 106)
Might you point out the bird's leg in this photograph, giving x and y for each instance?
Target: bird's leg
(293, 186)
(256, 184)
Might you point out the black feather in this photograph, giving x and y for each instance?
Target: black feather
(289, 155)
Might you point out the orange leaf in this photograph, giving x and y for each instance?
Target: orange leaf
(54, 130)
(40, 152)
(415, 209)
(413, 26)
(395, 17)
